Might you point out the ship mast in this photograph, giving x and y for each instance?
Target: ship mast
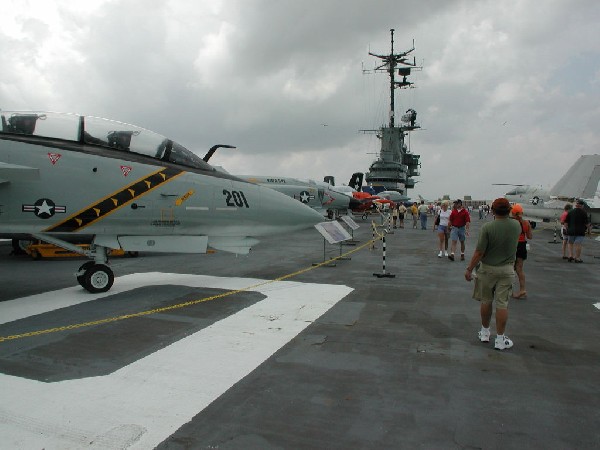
(390, 63)
(396, 166)
(392, 72)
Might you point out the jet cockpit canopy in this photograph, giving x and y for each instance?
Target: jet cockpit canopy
(101, 132)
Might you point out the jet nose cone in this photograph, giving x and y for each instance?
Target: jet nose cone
(287, 214)
(306, 215)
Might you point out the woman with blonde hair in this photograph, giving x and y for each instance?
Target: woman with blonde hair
(441, 226)
(517, 214)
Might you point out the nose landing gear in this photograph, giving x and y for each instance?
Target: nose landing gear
(94, 277)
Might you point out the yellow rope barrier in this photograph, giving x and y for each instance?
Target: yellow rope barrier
(177, 306)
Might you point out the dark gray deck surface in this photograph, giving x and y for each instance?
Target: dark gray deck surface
(395, 364)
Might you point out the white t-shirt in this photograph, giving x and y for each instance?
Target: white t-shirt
(444, 216)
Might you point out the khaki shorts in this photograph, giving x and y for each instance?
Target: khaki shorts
(494, 283)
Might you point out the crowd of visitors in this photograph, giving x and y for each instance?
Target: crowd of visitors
(500, 251)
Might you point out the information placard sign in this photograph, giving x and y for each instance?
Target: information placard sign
(333, 232)
(350, 222)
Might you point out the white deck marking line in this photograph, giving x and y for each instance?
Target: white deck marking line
(145, 402)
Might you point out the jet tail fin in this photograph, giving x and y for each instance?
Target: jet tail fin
(356, 180)
(581, 180)
(329, 179)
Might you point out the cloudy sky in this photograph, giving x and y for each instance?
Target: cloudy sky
(509, 91)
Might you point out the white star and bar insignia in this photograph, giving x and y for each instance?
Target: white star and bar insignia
(44, 208)
(305, 197)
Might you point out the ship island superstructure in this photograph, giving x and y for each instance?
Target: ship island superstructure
(396, 166)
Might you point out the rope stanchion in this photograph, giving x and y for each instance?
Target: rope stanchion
(554, 241)
(384, 274)
(374, 227)
(389, 224)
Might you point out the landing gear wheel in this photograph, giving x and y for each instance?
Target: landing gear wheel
(533, 225)
(81, 272)
(97, 278)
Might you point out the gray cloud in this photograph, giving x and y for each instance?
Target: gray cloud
(508, 93)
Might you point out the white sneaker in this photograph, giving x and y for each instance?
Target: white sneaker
(446, 254)
(440, 254)
(484, 334)
(503, 342)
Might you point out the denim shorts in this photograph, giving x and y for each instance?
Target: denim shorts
(458, 234)
(575, 239)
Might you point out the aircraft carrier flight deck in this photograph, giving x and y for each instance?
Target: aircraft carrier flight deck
(277, 350)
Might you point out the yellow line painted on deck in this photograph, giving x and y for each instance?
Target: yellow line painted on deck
(179, 305)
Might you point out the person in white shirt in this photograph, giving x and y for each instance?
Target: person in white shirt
(441, 226)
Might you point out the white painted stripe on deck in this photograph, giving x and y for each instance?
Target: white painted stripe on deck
(143, 403)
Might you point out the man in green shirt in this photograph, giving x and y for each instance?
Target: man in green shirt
(495, 252)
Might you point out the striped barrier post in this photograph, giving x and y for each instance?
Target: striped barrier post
(384, 274)
(389, 224)
(374, 235)
(553, 241)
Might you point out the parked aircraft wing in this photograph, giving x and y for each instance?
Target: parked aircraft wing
(11, 172)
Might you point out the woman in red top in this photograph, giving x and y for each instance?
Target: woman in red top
(517, 213)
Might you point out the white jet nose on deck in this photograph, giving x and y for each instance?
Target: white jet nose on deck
(285, 214)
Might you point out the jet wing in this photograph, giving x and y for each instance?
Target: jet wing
(12, 172)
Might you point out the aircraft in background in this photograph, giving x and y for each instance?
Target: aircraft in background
(366, 198)
(526, 194)
(581, 181)
(66, 178)
(421, 199)
(321, 196)
(395, 196)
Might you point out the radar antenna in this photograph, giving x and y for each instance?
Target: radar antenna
(390, 64)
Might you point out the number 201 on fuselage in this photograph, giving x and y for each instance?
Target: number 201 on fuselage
(235, 198)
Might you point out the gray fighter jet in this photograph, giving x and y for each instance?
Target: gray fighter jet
(67, 178)
(581, 181)
(526, 194)
(322, 196)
